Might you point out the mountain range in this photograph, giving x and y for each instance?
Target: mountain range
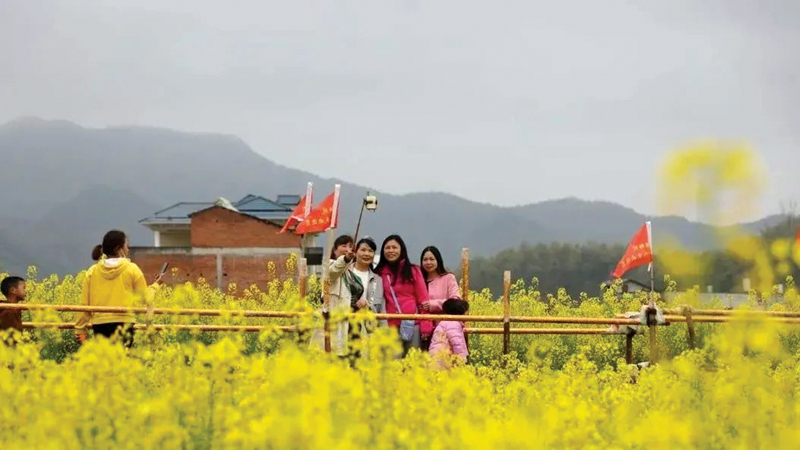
(65, 185)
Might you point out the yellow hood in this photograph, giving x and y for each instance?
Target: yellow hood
(111, 268)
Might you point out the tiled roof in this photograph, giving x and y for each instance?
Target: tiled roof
(257, 203)
(252, 205)
(246, 198)
(177, 213)
(288, 200)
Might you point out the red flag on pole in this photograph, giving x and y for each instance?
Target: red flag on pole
(639, 252)
(323, 217)
(300, 211)
(797, 246)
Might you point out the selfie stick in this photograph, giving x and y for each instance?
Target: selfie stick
(370, 203)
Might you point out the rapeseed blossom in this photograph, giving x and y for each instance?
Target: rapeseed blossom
(267, 390)
(740, 391)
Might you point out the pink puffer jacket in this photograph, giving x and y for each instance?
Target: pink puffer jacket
(448, 338)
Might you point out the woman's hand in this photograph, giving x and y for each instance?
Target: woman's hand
(361, 303)
(159, 279)
(426, 306)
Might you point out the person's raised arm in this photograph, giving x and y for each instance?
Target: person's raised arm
(337, 267)
(141, 288)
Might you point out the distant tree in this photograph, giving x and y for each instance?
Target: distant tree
(576, 267)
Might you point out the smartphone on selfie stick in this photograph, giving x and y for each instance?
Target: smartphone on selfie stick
(163, 270)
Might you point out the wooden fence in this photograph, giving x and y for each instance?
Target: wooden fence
(682, 315)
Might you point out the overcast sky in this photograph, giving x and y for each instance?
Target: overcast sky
(502, 102)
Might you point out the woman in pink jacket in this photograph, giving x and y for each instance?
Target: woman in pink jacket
(448, 344)
(442, 285)
(403, 284)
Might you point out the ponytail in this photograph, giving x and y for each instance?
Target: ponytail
(97, 252)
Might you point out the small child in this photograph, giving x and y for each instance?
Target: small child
(13, 289)
(448, 337)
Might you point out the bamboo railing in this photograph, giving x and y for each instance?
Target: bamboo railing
(681, 315)
(687, 315)
(259, 328)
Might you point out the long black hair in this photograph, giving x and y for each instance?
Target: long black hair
(341, 240)
(113, 241)
(402, 265)
(440, 269)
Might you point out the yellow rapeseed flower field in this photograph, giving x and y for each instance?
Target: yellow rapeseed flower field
(267, 390)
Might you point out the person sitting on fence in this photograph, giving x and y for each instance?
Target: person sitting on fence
(448, 344)
(113, 281)
(14, 290)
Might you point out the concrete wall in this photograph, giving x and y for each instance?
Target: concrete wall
(176, 238)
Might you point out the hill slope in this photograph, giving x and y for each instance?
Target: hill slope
(72, 183)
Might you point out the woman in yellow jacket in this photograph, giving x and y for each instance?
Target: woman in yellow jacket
(113, 281)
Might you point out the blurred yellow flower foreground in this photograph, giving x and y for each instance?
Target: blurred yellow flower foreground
(229, 390)
(740, 392)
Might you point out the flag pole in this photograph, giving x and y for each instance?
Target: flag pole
(652, 264)
(309, 198)
(306, 211)
(326, 294)
(651, 310)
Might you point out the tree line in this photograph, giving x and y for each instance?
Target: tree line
(585, 267)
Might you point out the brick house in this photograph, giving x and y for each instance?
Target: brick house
(221, 242)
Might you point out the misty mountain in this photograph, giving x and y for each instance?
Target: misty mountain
(66, 185)
(61, 240)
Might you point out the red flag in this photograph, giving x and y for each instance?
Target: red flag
(639, 252)
(323, 217)
(298, 214)
(797, 246)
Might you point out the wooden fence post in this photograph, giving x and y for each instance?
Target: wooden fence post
(465, 282)
(326, 292)
(302, 276)
(302, 280)
(326, 313)
(149, 322)
(690, 326)
(506, 311)
(465, 274)
(629, 347)
(652, 323)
